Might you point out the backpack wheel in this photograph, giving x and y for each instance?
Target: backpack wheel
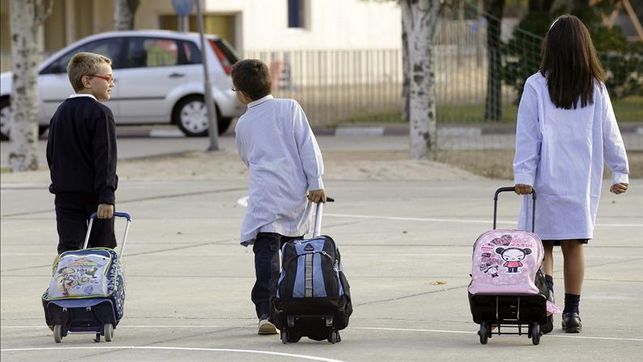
(535, 333)
(58, 333)
(483, 333)
(108, 332)
(333, 337)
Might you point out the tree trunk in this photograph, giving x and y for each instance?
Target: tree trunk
(493, 105)
(25, 58)
(419, 19)
(405, 76)
(124, 11)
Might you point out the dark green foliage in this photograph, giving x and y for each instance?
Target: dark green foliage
(621, 60)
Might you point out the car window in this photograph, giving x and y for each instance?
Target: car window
(190, 53)
(151, 52)
(108, 47)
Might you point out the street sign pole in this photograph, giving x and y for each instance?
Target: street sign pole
(213, 128)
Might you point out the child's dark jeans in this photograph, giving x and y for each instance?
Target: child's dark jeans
(72, 213)
(267, 268)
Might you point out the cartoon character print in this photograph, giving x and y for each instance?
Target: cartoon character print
(490, 269)
(79, 273)
(489, 262)
(512, 257)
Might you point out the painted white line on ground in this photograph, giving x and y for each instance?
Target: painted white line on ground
(475, 332)
(388, 329)
(244, 203)
(121, 326)
(463, 221)
(231, 350)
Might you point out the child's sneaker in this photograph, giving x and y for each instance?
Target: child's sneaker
(265, 327)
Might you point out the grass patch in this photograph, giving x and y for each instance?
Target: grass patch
(628, 109)
(5, 170)
(498, 164)
(370, 118)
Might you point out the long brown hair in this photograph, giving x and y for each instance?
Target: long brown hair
(570, 63)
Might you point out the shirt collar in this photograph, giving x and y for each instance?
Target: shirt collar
(76, 95)
(260, 100)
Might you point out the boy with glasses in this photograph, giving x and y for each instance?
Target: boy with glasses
(81, 154)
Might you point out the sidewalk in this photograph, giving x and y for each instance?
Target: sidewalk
(386, 129)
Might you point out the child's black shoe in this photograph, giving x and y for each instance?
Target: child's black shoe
(571, 323)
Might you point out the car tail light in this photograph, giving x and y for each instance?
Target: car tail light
(227, 67)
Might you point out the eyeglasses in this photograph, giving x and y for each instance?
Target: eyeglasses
(107, 78)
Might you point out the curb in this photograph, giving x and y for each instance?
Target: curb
(362, 131)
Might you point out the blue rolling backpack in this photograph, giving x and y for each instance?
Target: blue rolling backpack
(313, 296)
(87, 290)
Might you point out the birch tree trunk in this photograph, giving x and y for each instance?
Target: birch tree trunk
(419, 20)
(124, 11)
(405, 76)
(26, 18)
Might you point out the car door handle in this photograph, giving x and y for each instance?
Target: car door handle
(176, 75)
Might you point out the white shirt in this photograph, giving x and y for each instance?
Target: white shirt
(561, 152)
(277, 145)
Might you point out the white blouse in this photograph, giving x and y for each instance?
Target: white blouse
(561, 152)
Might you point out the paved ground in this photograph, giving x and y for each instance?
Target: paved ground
(406, 248)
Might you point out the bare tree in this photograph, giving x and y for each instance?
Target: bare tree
(124, 11)
(26, 18)
(419, 21)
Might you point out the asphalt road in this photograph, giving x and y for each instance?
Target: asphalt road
(406, 247)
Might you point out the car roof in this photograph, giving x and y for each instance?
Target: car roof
(150, 32)
(126, 33)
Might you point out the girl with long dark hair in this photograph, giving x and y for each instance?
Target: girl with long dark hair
(566, 130)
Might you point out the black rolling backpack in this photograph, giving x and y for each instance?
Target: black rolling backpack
(313, 296)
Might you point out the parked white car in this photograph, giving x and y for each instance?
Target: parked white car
(159, 80)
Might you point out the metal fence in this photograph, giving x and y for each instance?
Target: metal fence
(341, 86)
(335, 86)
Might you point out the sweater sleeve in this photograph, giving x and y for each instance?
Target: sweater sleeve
(104, 153)
(613, 147)
(309, 153)
(528, 138)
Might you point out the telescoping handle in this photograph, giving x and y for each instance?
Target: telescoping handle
(116, 214)
(318, 216)
(512, 189)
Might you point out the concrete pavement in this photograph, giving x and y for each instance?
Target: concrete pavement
(406, 246)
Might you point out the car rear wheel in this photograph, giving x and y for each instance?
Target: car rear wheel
(190, 115)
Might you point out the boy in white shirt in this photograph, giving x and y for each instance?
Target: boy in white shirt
(285, 167)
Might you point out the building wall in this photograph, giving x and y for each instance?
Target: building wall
(249, 25)
(263, 24)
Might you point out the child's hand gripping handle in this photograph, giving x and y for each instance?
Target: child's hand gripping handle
(124, 215)
(318, 216)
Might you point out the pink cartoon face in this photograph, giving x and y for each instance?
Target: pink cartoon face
(513, 257)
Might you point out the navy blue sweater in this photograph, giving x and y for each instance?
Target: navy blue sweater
(81, 149)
